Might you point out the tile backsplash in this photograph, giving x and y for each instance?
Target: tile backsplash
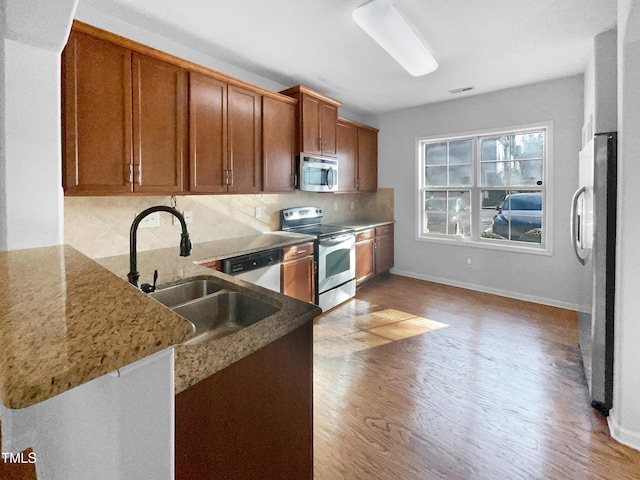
(99, 226)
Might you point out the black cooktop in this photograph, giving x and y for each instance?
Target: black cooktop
(321, 230)
(308, 220)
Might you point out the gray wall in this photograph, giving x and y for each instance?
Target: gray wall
(554, 279)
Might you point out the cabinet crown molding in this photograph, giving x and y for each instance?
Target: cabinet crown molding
(308, 91)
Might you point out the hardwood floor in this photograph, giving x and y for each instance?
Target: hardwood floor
(447, 383)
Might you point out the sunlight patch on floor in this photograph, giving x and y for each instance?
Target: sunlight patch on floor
(344, 336)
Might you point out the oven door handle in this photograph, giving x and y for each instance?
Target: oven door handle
(337, 240)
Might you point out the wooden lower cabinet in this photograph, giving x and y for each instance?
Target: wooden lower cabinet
(365, 256)
(297, 272)
(254, 419)
(384, 248)
(374, 252)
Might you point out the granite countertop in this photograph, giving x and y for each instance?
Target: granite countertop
(65, 320)
(196, 361)
(366, 224)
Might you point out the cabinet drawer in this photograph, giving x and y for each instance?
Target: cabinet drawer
(297, 251)
(364, 235)
(384, 230)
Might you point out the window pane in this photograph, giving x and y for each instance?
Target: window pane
(436, 154)
(460, 175)
(526, 172)
(496, 148)
(436, 176)
(435, 212)
(519, 215)
(447, 213)
(460, 151)
(528, 145)
(494, 174)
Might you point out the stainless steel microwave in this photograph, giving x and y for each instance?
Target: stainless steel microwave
(318, 174)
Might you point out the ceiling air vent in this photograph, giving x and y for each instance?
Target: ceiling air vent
(460, 90)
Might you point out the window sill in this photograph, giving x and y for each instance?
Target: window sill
(468, 242)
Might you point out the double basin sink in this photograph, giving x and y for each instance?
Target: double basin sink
(214, 311)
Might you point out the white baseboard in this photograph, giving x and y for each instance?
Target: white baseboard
(623, 435)
(495, 291)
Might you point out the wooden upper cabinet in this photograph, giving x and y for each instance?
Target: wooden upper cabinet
(278, 145)
(310, 120)
(140, 121)
(97, 125)
(367, 159)
(347, 157)
(244, 140)
(159, 125)
(316, 121)
(207, 134)
(357, 157)
(328, 128)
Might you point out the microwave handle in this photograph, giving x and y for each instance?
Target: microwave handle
(330, 182)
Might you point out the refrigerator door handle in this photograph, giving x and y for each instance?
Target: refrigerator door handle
(573, 224)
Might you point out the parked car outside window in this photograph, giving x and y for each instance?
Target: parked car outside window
(519, 214)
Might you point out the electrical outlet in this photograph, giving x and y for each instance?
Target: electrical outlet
(188, 217)
(258, 212)
(352, 205)
(468, 261)
(335, 206)
(151, 220)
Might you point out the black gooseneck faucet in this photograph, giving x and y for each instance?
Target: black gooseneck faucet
(185, 244)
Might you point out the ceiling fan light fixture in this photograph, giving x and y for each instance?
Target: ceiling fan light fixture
(382, 22)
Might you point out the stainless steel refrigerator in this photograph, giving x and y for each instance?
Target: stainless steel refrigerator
(593, 234)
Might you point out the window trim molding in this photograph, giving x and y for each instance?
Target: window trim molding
(546, 248)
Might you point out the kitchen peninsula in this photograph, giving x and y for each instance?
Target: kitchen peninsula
(88, 370)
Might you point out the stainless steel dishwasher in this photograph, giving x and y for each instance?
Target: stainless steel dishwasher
(260, 268)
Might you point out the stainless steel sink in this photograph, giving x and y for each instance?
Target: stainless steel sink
(185, 292)
(224, 313)
(214, 310)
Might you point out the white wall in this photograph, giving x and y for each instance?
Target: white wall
(625, 415)
(553, 280)
(33, 35)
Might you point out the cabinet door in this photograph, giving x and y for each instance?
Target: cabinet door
(97, 131)
(159, 135)
(244, 140)
(347, 161)
(278, 143)
(207, 134)
(328, 128)
(365, 260)
(384, 253)
(297, 279)
(310, 120)
(252, 420)
(367, 160)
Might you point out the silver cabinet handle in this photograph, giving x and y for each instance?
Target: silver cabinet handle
(573, 225)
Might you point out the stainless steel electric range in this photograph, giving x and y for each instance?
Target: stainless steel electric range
(335, 254)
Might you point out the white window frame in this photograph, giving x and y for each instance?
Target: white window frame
(474, 240)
